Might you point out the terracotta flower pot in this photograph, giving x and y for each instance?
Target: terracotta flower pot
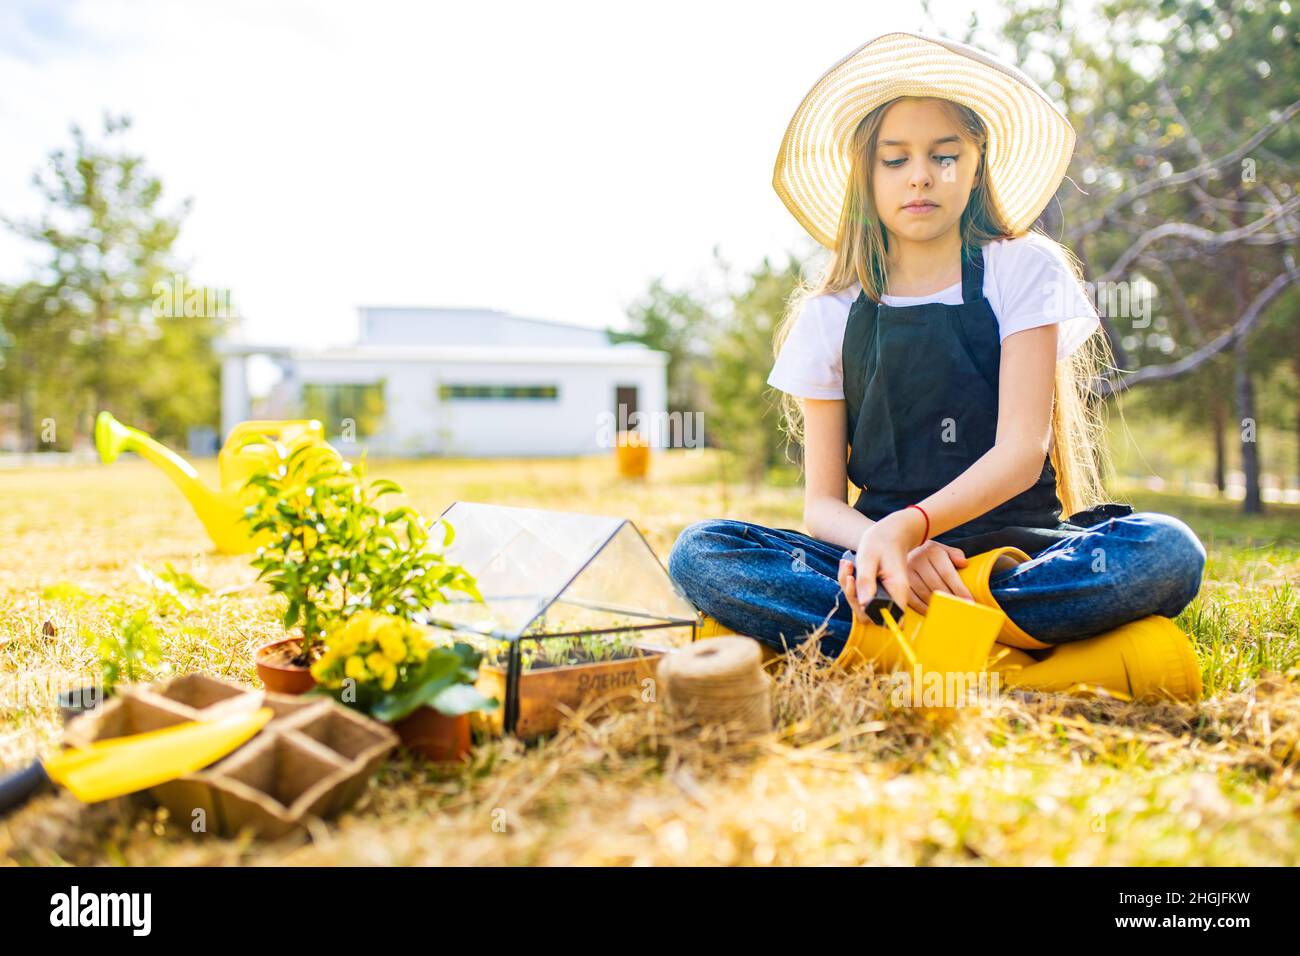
(277, 673)
(434, 735)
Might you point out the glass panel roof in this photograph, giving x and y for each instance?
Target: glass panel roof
(553, 572)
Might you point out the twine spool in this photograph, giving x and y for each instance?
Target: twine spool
(718, 681)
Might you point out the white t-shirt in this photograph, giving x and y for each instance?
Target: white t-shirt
(1026, 281)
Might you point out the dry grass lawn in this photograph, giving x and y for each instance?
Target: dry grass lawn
(848, 779)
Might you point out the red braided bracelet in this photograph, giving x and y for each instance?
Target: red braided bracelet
(927, 521)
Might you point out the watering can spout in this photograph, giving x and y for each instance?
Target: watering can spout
(112, 438)
(216, 510)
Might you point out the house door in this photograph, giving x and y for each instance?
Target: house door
(624, 405)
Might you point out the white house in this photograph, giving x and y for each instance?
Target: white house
(472, 382)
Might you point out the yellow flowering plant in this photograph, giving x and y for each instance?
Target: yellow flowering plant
(387, 667)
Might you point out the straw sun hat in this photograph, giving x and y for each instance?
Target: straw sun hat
(1029, 139)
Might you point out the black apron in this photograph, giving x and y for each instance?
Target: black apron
(921, 393)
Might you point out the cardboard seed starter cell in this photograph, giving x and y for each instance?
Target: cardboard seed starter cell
(315, 756)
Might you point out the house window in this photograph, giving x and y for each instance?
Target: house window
(336, 404)
(525, 393)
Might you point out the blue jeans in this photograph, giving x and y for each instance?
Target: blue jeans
(779, 586)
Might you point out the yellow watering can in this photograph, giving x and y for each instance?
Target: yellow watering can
(944, 653)
(251, 447)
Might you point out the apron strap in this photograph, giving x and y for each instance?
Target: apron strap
(972, 275)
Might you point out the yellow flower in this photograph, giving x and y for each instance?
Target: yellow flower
(378, 663)
(322, 666)
(370, 645)
(393, 646)
(340, 636)
(370, 624)
(356, 669)
(340, 643)
(353, 635)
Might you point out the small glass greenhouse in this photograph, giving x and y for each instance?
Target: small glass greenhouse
(573, 605)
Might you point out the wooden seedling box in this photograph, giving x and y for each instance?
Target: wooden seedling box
(543, 691)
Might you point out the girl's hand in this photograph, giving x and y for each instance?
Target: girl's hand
(883, 552)
(849, 586)
(933, 567)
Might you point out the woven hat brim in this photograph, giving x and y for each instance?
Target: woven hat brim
(1030, 141)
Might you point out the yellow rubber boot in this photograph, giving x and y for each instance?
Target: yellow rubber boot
(976, 576)
(1147, 659)
(712, 627)
(1005, 659)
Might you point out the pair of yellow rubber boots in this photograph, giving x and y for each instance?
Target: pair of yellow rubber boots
(1147, 659)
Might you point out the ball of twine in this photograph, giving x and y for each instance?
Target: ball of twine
(718, 681)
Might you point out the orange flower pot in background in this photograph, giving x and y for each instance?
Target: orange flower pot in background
(633, 453)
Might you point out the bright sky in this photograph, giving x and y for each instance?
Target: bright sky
(547, 159)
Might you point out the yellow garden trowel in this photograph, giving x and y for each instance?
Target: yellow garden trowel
(122, 765)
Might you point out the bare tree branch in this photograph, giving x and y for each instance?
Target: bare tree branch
(1198, 172)
(1198, 234)
(1105, 387)
(1227, 205)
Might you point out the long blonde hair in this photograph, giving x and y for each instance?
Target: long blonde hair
(1079, 452)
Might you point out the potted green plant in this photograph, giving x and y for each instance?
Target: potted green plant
(333, 551)
(399, 673)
